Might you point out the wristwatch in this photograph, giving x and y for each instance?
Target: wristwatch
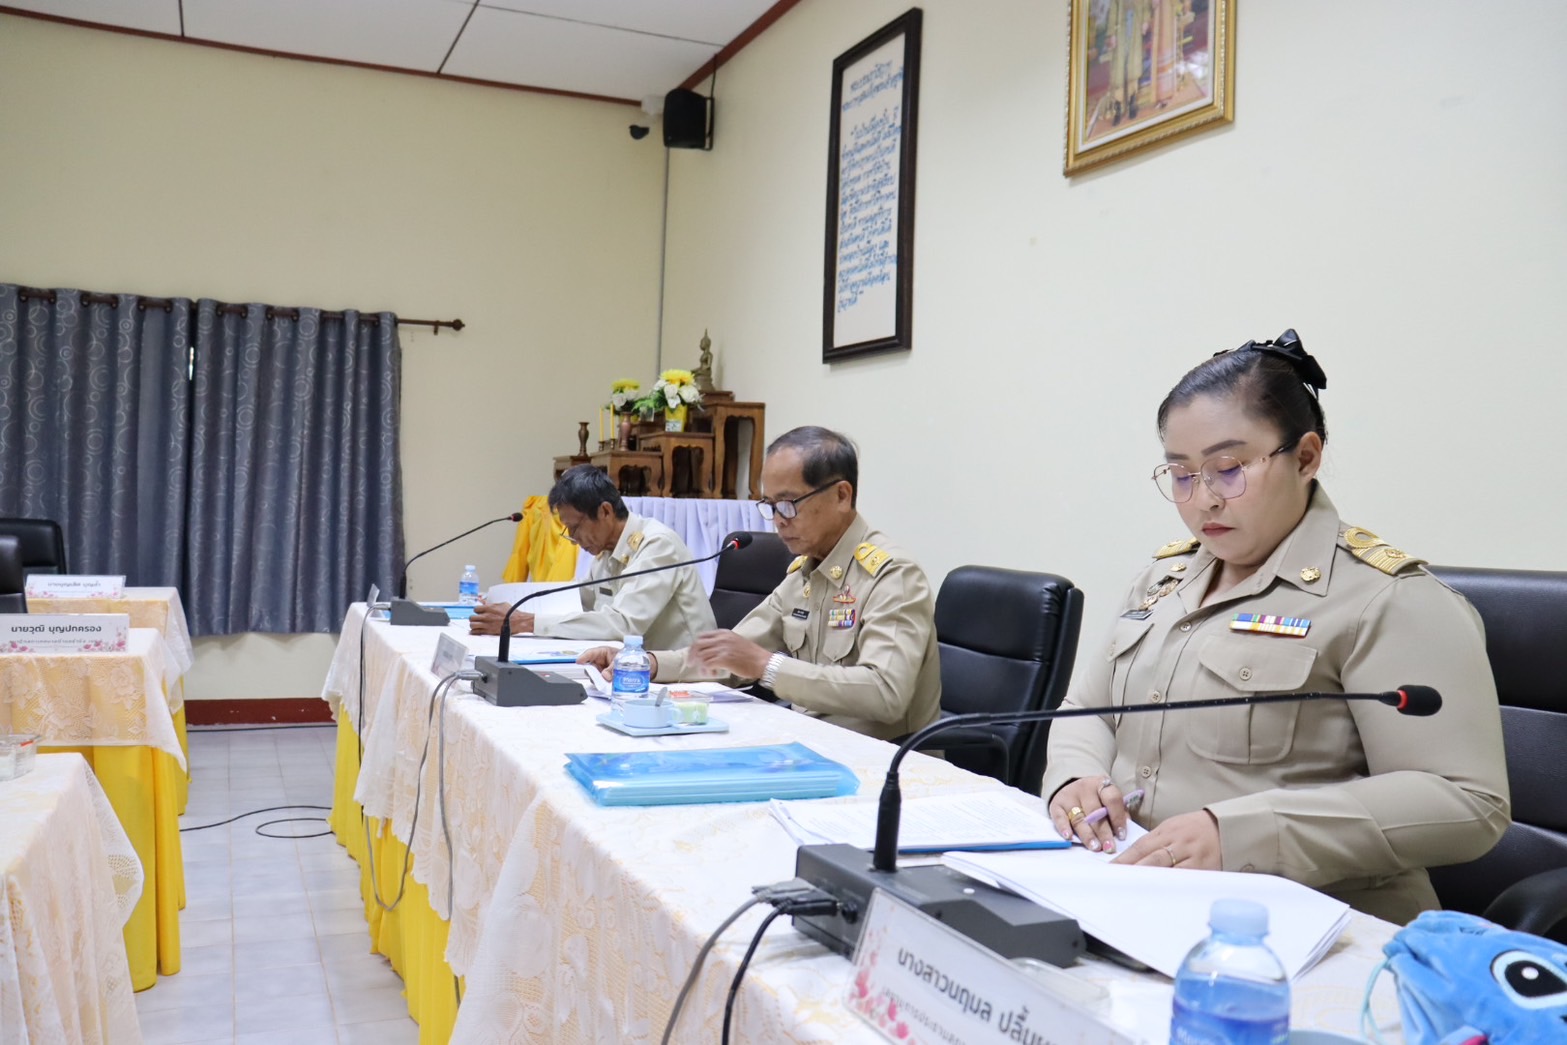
(770, 673)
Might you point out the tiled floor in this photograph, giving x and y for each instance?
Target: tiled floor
(275, 947)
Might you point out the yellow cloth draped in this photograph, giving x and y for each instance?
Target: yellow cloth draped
(147, 789)
(412, 935)
(542, 551)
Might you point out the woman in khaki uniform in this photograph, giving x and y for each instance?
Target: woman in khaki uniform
(1275, 594)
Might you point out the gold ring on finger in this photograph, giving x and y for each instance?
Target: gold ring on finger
(1171, 854)
(1075, 815)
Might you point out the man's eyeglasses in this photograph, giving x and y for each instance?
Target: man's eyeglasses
(788, 509)
(1225, 476)
(570, 532)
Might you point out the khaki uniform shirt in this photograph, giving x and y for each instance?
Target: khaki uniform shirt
(859, 628)
(667, 609)
(1351, 798)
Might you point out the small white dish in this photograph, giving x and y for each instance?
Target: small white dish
(712, 725)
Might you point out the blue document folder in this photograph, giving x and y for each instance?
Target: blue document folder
(695, 776)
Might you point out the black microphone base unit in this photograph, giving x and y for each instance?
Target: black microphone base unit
(508, 685)
(406, 611)
(1005, 923)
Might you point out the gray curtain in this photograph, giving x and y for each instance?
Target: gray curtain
(94, 407)
(295, 479)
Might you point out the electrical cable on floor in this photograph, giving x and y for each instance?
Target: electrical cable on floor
(269, 823)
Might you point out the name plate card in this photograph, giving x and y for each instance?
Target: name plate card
(450, 656)
(74, 586)
(917, 980)
(64, 632)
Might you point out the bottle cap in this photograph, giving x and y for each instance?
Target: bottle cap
(470, 569)
(633, 640)
(1238, 917)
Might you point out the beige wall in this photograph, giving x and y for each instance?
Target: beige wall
(144, 166)
(1393, 186)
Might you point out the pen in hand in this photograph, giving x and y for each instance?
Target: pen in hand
(1133, 799)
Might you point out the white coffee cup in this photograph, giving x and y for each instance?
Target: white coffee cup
(647, 714)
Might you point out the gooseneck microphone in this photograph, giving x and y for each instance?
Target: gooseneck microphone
(1007, 924)
(511, 685)
(402, 583)
(1410, 700)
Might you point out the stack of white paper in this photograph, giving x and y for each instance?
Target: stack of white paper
(1157, 914)
(555, 602)
(984, 820)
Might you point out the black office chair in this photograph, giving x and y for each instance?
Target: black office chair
(1008, 639)
(42, 544)
(1522, 883)
(13, 583)
(747, 576)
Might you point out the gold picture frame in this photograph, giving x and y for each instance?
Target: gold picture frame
(1183, 59)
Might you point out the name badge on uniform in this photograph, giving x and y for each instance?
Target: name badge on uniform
(606, 590)
(800, 614)
(1268, 624)
(1137, 614)
(841, 618)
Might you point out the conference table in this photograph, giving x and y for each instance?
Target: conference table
(123, 712)
(570, 922)
(69, 879)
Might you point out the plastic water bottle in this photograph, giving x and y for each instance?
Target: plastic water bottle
(468, 586)
(633, 670)
(1231, 990)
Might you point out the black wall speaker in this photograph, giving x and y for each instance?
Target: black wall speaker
(688, 120)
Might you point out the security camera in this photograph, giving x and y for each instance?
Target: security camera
(638, 132)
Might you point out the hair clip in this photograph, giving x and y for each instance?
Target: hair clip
(1287, 346)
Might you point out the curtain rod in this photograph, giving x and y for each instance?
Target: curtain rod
(167, 304)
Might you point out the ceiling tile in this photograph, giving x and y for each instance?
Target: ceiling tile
(153, 16)
(698, 20)
(570, 56)
(408, 34)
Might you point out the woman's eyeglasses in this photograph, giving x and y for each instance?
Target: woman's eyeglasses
(1225, 476)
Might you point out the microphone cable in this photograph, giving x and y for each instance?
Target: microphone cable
(791, 897)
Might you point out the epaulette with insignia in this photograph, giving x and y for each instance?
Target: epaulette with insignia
(871, 558)
(1374, 551)
(635, 540)
(1180, 547)
(799, 560)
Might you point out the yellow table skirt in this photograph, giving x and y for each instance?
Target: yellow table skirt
(412, 935)
(147, 789)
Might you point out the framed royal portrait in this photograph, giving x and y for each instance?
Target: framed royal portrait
(1143, 72)
(868, 291)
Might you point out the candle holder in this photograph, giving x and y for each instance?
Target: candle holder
(582, 439)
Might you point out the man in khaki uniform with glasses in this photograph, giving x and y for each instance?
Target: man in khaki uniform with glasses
(666, 608)
(850, 634)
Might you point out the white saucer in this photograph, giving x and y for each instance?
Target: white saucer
(712, 725)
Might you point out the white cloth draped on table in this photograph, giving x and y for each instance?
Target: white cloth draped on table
(69, 879)
(108, 699)
(574, 923)
(701, 523)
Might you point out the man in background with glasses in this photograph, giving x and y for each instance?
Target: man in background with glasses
(669, 608)
(850, 634)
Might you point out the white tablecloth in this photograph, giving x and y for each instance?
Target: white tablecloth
(120, 699)
(157, 608)
(68, 881)
(575, 923)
